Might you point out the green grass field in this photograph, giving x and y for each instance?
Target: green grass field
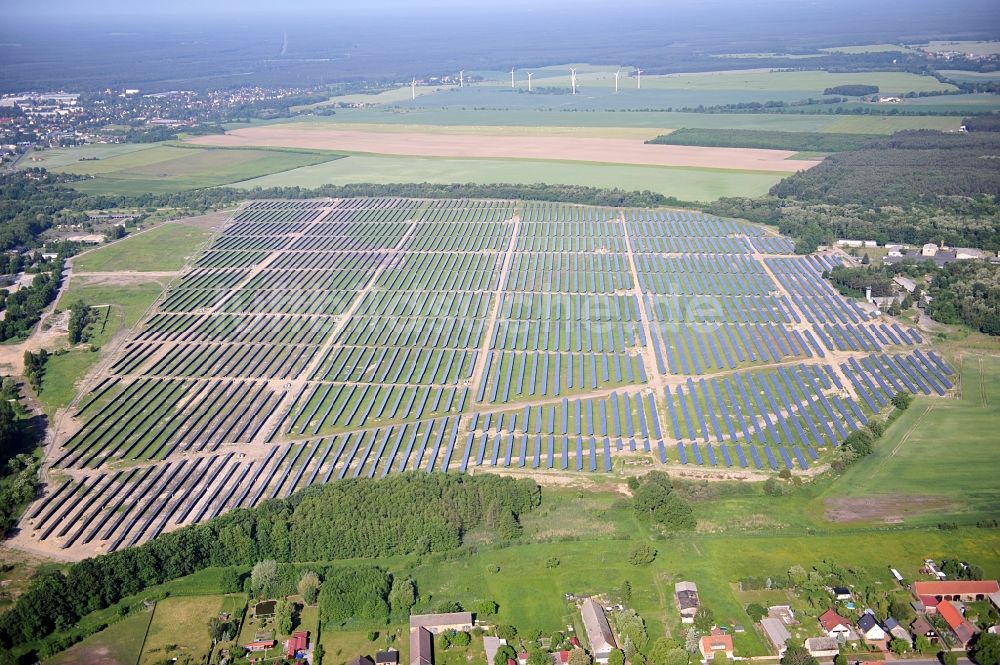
(181, 623)
(942, 449)
(58, 159)
(119, 644)
(689, 184)
(164, 248)
(62, 372)
(163, 168)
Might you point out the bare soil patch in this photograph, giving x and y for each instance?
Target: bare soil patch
(890, 508)
(584, 149)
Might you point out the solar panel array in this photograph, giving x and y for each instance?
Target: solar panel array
(320, 340)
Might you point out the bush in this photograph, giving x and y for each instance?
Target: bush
(642, 554)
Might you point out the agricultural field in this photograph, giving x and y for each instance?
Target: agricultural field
(323, 339)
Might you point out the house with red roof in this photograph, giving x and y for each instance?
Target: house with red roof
(966, 591)
(961, 627)
(297, 644)
(835, 625)
(714, 643)
(260, 645)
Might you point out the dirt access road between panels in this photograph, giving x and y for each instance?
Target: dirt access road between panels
(601, 150)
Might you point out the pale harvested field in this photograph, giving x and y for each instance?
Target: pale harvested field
(583, 149)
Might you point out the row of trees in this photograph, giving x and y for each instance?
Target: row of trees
(357, 518)
(24, 307)
(655, 501)
(18, 466)
(34, 368)
(81, 315)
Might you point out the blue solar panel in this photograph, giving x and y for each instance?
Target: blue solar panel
(682, 453)
(755, 455)
(770, 458)
(740, 455)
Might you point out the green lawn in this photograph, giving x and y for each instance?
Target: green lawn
(689, 184)
(871, 48)
(60, 159)
(62, 372)
(164, 248)
(128, 300)
(179, 627)
(119, 644)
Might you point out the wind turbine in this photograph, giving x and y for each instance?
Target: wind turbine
(617, 75)
(461, 79)
(413, 89)
(572, 78)
(638, 74)
(511, 78)
(530, 74)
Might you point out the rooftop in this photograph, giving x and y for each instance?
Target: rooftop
(596, 624)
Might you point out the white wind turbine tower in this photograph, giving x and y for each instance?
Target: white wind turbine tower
(638, 74)
(530, 74)
(511, 78)
(461, 79)
(617, 75)
(413, 89)
(572, 78)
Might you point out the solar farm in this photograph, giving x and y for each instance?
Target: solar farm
(327, 339)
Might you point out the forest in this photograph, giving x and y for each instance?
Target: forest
(967, 292)
(903, 169)
(415, 513)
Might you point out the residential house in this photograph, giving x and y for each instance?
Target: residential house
(822, 647)
(687, 600)
(361, 660)
(299, 642)
(922, 627)
(841, 593)
(260, 645)
(491, 645)
(835, 626)
(961, 628)
(963, 590)
(421, 646)
(870, 628)
(599, 634)
(715, 643)
(776, 633)
(896, 630)
(388, 657)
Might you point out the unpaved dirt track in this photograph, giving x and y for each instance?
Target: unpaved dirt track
(603, 150)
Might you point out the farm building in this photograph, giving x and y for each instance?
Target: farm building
(963, 590)
(599, 634)
(961, 628)
(421, 646)
(776, 633)
(835, 625)
(440, 623)
(687, 600)
(870, 628)
(715, 643)
(822, 647)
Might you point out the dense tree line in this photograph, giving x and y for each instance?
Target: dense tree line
(775, 140)
(357, 518)
(80, 316)
(18, 466)
(983, 123)
(24, 307)
(967, 292)
(155, 134)
(852, 90)
(358, 592)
